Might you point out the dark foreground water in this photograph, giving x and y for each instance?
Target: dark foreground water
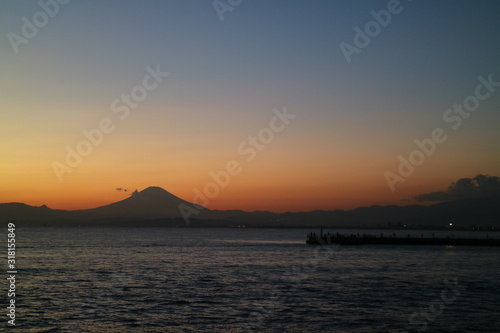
(245, 280)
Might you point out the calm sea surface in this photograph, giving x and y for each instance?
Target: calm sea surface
(245, 280)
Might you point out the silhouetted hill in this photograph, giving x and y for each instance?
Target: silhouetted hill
(19, 211)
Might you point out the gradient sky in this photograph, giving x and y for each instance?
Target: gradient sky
(225, 77)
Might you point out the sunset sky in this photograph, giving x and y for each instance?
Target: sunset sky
(225, 78)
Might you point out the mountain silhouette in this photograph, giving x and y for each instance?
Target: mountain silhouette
(151, 203)
(154, 204)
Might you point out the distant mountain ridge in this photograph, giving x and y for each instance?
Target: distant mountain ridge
(156, 204)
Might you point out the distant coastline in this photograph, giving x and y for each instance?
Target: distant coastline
(156, 207)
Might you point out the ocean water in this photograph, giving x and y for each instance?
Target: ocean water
(245, 280)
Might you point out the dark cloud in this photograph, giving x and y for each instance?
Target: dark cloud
(464, 188)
